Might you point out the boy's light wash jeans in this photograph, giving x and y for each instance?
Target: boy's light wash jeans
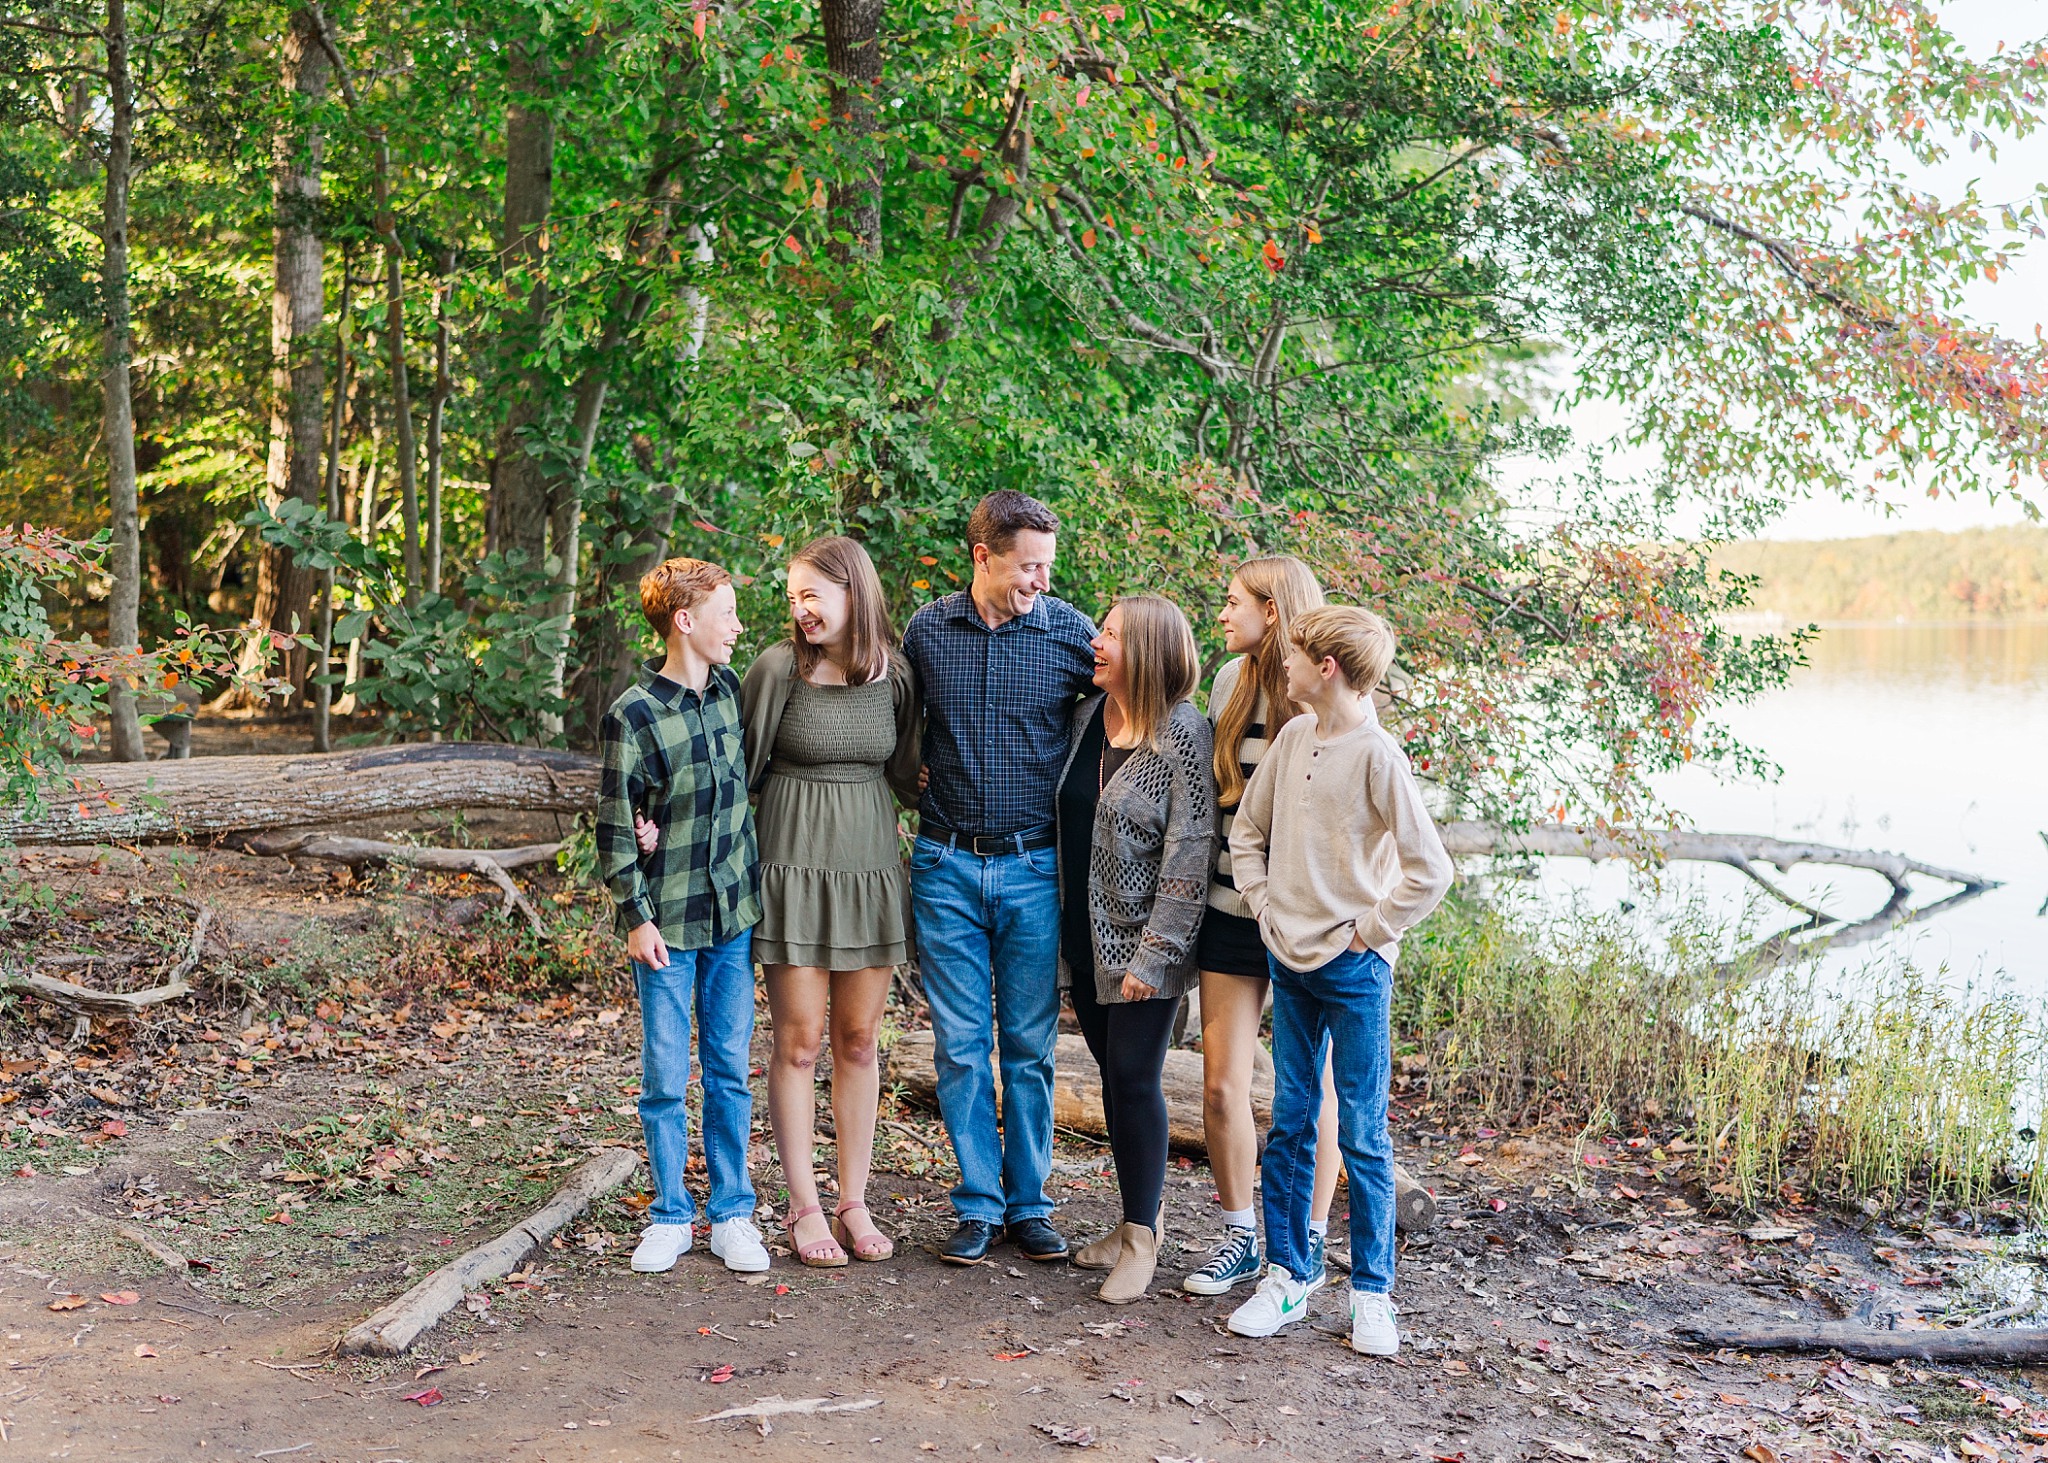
(720, 982)
(1345, 1003)
(988, 931)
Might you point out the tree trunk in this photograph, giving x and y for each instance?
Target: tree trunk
(401, 392)
(853, 56)
(210, 796)
(519, 485)
(117, 414)
(284, 591)
(323, 690)
(437, 414)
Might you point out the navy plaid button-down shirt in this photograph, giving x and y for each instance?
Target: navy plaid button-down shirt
(675, 755)
(996, 706)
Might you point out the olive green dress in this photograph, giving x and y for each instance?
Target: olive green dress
(821, 761)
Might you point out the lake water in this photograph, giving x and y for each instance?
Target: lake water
(1928, 740)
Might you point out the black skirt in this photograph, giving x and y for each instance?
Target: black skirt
(1230, 944)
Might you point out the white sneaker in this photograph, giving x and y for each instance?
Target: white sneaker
(1280, 1300)
(1372, 1325)
(661, 1245)
(738, 1243)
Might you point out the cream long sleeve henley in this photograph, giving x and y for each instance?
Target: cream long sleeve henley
(1332, 841)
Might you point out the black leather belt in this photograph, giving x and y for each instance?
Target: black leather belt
(991, 845)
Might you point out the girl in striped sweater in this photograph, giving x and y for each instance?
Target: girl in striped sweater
(1264, 597)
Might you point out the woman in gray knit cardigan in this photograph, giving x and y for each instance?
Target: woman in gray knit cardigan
(1137, 835)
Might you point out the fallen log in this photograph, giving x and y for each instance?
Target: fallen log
(490, 863)
(1077, 1105)
(2021, 1344)
(86, 1001)
(1743, 852)
(394, 1328)
(148, 802)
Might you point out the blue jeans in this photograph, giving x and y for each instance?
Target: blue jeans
(721, 981)
(1345, 1003)
(988, 933)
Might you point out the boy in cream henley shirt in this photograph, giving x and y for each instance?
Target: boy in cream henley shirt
(1332, 844)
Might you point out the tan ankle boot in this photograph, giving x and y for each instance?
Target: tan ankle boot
(1100, 1254)
(1132, 1276)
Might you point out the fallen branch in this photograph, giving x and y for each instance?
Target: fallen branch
(1077, 1105)
(150, 802)
(1743, 852)
(394, 1328)
(2028, 1344)
(490, 863)
(142, 1237)
(779, 1406)
(88, 1002)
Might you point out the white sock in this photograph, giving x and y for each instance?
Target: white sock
(1319, 1226)
(1239, 1218)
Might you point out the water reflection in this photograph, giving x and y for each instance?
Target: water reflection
(1931, 740)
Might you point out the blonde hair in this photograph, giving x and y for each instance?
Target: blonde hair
(1285, 583)
(869, 635)
(676, 585)
(1160, 663)
(1358, 640)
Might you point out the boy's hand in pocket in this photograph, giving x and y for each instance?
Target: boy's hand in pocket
(645, 944)
(646, 834)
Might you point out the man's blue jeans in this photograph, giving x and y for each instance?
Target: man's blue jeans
(720, 981)
(1346, 1003)
(988, 934)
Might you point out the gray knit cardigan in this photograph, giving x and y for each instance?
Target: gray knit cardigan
(1153, 848)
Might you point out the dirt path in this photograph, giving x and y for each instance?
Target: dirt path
(380, 1113)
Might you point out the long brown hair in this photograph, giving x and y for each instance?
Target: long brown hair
(1161, 664)
(869, 635)
(1287, 584)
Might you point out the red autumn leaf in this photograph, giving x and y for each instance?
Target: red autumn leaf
(430, 1397)
(1274, 259)
(698, 25)
(1087, 238)
(114, 1128)
(1011, 1355)
(121, 1298)
(721, 1376)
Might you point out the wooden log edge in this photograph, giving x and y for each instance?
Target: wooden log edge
(393, 1329)
(1077, 1104)
(2020, 1344)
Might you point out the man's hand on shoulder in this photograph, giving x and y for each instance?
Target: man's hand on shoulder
(644, 944)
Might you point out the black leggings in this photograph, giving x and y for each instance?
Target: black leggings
(1129, 1040)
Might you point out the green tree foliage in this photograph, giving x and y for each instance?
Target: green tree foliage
(717, 276)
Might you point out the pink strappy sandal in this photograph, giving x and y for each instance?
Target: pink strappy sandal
(877, 1246)
(825, 1254)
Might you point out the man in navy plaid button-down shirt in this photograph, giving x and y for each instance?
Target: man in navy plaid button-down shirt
(999, 666)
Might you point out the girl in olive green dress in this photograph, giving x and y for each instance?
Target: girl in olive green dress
(831, 723)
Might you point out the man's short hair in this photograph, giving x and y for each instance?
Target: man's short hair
(1358, 640)
(1000, 517)
(678, 584)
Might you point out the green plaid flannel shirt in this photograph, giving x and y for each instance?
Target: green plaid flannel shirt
(675, 755)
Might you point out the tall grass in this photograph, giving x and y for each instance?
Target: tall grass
(1891, 1092)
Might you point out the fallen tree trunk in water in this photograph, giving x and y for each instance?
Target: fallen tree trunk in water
(1742, 852)
(2024, 1344)
(1077, 1105)
(150, 802)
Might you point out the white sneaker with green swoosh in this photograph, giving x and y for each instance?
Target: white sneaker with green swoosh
(1280, 1300)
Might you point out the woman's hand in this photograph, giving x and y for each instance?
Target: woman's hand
(1136, 990)
(646, 834)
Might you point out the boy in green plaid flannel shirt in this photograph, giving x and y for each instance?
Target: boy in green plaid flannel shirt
(687, 901)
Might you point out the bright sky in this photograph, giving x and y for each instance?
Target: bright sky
(2013, 306)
